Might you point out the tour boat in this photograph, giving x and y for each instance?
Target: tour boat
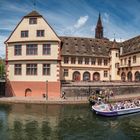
(104, 110)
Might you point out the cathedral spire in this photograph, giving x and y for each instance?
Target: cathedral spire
(99, 28)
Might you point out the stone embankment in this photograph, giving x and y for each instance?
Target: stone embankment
(88, 88)
(68, 100)
(78, 93)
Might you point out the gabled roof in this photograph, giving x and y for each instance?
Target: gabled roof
(79, 46)
(33, 14)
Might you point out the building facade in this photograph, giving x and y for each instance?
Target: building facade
(37, 59)
(33, 59)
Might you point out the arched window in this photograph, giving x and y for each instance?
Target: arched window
(96, 76)
(76, 76)
(129, 76)
(123, 76)
(28, 92)
(137, 76)
(86, 76)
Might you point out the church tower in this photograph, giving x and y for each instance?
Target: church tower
(99, 29)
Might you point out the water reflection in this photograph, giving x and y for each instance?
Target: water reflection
(63, 122)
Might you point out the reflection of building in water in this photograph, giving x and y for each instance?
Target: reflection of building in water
(4, 109)
(37, 116)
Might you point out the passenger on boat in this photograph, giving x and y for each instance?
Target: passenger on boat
(124, 105)
(111, 107)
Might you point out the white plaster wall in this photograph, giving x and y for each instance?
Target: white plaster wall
(32, 28)
(38, 77)
(71, 70)
(113, 69)
(83, 65)
(54, 51)
(132, 64)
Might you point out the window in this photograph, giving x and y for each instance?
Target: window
(46, 69)
(31, 69)
(24, 33)
(129, 61)
(17, 50)
(65, 73)
(33, 21)
(118, 72)
(93, 61)
(46, 49)
(116, 65)
(99, 61)
(105, 62)
(31, 49)
(105, 74)
(117, 54)
(134, 59)
(40, 33)
(80, 60)
(73, 60)
(66, 60)
(125, 60)
(17, 69)
(86, 61)
(121, 62)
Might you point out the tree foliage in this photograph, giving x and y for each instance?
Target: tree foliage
(2, 69)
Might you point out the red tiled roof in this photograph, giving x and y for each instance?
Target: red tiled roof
(79, 46)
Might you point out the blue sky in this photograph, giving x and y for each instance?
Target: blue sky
(74, 17)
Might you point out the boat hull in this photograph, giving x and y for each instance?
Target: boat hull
(116, 113)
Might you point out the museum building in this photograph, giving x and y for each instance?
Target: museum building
(38, 60)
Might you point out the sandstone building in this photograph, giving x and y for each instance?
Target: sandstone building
(37, 59)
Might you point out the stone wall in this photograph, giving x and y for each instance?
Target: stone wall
(72, 91)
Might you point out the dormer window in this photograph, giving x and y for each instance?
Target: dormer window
(40, 33)
(32, 20)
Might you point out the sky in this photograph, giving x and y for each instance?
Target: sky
(74, 17)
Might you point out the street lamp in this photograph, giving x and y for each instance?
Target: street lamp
(46, 89)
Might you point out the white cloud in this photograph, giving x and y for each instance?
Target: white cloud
(118, 39)
(106, 17)
(81, 21)
(93, 28)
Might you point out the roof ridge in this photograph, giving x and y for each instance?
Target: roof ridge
(34, 13)
(131, 39)
(85, 38)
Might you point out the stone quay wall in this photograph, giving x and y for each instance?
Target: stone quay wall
(87, 90)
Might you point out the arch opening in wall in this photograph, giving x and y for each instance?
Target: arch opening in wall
(137, 76)
(76, 76)
(96, 76)
(28, 92)
(86, 76)
(123, 76)
(129, 76)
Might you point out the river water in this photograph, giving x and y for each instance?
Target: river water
(64, 122)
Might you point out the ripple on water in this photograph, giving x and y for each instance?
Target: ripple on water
(64, 122)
